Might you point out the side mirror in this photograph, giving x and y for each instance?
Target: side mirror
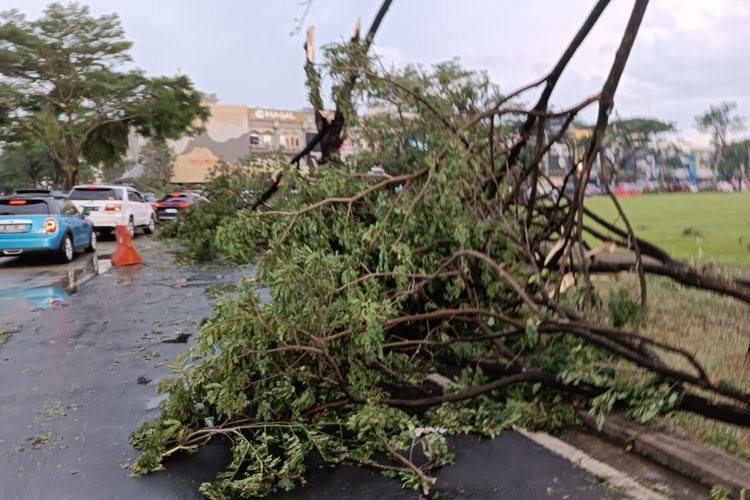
(86, 212)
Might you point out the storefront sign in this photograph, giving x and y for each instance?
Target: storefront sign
(276, 114)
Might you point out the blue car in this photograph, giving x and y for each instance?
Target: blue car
(44, 224)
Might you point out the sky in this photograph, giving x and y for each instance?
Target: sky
(689, 53)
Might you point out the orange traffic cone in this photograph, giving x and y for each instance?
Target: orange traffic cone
(125, 253)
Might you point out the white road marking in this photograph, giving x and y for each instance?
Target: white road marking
(614, 477)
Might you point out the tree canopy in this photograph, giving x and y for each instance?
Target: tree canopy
(26, 164)
(65, 83)
(625, 140)
(720, 120)
(639, 131)
(158, 158)
(736, 159)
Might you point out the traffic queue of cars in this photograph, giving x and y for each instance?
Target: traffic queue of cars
(59, 224)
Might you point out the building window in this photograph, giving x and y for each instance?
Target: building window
(254, 139)
(267, 140)
(290, 141)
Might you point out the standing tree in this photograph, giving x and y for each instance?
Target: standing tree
(63, 83)
(158, 159)
(627, 137)
(720, 120)
(735, 159)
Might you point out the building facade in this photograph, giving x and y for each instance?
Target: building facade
(238, 134)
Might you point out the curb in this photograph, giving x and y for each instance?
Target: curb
(614, 477)
(701, 462)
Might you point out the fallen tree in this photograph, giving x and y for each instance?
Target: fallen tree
(446, 263)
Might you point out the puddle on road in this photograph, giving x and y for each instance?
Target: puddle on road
(56, 288)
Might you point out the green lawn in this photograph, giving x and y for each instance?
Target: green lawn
(697, 226)
(715, 329)
(705, 227)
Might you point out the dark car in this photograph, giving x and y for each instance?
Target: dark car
(169, 207)
(151, 198)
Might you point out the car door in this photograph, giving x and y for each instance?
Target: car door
(148, 210)
(146, 207)
(72, 218)
(143, 208)
(135, 208)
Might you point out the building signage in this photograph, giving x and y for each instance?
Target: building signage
(275, 114)
(203, 161)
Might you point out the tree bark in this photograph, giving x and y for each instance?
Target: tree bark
(717, 159)
(70, 167)
(58, 174)
(681, 273)
(35, 172)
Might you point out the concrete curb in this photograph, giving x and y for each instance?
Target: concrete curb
(614, 477)
(701, 462)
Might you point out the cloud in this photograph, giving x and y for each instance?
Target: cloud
(391, 57)
(693, 55)
(689, 53)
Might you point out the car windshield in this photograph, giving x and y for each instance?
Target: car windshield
(23, 207)
(96, 194)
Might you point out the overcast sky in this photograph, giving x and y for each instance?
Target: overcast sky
(689, 52)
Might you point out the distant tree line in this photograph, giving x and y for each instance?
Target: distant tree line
(631, 140)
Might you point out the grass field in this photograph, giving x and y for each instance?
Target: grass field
(695, 226)
(715, 329)
(712, 227)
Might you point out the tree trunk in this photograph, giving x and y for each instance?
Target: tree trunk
(58, 174)
(35, 173)
(70, 166)
(717, 160)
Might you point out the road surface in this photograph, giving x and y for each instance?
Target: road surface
(31, 284)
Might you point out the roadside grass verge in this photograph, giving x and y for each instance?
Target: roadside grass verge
(713, 227)
(715, 329)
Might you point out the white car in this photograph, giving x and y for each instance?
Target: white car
(108, 206)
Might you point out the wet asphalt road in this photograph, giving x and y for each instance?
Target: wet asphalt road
(30, 284)
(508, 467)
(72, 389)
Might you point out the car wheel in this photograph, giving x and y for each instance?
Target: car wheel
(151, 226)
(131, 227)
(65, 252)
(92, 243)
